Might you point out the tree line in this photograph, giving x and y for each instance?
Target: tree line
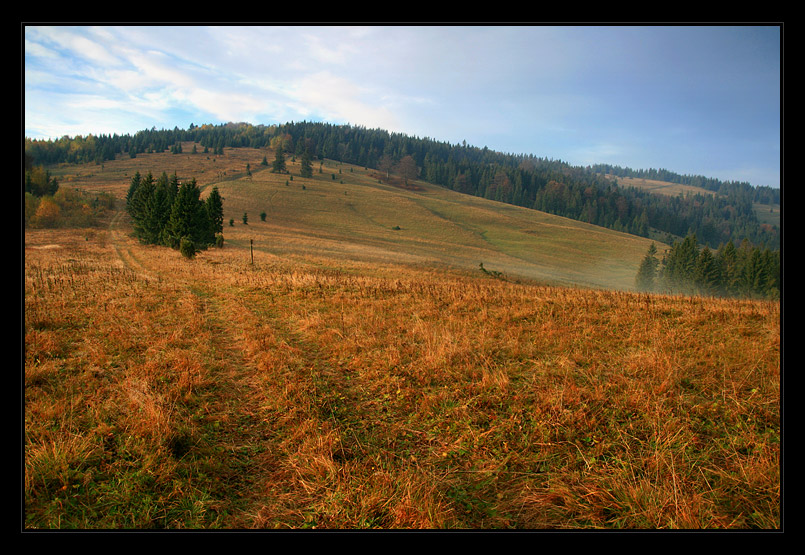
(166, 212)
(554, 186)
(761, 194)
(688, 268)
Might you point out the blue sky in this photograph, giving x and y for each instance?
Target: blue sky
(694, 100)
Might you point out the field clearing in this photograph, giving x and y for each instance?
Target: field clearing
(660, 187)
(311, 389)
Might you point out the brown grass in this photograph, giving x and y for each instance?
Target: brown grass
(310, 392)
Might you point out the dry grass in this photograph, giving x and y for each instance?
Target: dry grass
(305, 391)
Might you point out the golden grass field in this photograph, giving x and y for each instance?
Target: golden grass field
(357, 376)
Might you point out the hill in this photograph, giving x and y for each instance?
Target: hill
(552, 186)
(347, 364)
(767, 212)
(355, 212)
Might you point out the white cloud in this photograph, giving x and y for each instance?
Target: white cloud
(338, 99)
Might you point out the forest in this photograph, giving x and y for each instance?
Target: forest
(745, 271)
(581, 193)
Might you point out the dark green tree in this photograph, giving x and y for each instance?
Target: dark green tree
(706, 274)
(729, 270)
(647, 271)
(133, 185)
(215, 211)
(306, 164)
(140, 198)
(154, 217)
(279, 161)
(188, 218)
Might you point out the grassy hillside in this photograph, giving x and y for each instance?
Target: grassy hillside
(355, 375)
(766, 214)
(358, 216)
(311, 391)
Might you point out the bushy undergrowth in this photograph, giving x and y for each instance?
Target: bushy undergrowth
(66, 208)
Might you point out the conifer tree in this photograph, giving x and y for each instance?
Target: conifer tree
(188, 218)
(306, 165)
(727, 260)
(133, 185)
(279, 161)
(647, 270)
(215, 211)
(139, 199)
(155, 215)
(706, 275)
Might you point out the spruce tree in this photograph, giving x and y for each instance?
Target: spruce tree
(133, 186)
(727, 260)
(155, 215)
(188, 218)
(647, 270)
(141, 204)
(279, 161)
(306, 165)
(706, 275)
(215, 211)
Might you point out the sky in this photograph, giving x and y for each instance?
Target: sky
(697, 100)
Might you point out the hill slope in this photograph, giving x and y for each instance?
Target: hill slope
(362, 376)
(350, 211)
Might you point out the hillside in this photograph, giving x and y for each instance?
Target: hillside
(346, 364)
(313, 391)
(552, 186)
(353, 212)
(767, 213)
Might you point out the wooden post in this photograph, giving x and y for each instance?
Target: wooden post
(251, 250)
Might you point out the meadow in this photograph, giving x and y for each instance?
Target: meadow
(348, 372)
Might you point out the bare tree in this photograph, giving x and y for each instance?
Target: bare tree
(407, 168)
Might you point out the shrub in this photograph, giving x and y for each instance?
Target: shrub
(187, 248)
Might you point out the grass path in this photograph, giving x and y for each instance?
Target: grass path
(279, 420)
(234, 434)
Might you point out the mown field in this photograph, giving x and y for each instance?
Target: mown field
(357, 376)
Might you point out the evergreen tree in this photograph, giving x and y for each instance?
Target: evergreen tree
(727, 260)
(279, 161)
(133, 185)
(155, 215)
(680, 264)
(188, 217)
(647, 270)
(215, 211)
(306, 164)
(706, 274)
(139, 198)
